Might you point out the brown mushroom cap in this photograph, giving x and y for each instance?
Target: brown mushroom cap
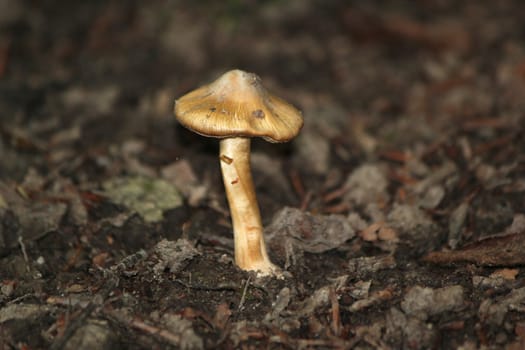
(236, 104)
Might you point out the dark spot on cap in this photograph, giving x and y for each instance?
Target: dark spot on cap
(211, 110)
(258, 113)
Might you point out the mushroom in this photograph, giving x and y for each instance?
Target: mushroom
(234, 108)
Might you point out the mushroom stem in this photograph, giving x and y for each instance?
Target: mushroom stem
(250, 250)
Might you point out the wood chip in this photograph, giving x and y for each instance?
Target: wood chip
(494, 251)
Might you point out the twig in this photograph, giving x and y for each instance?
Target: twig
(336, 316)
(243, 297)
(136, 323)
(22, 297)
(166, 335)
(305, 202)
(218, 287)
(337, 208)
(335, 194)
(24, 252)
(297, 183)
(69, 301)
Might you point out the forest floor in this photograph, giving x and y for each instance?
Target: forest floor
(397, 215)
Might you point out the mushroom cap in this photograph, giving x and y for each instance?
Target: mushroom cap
(237, 105)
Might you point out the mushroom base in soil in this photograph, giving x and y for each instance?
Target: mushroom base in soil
(234, 108)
